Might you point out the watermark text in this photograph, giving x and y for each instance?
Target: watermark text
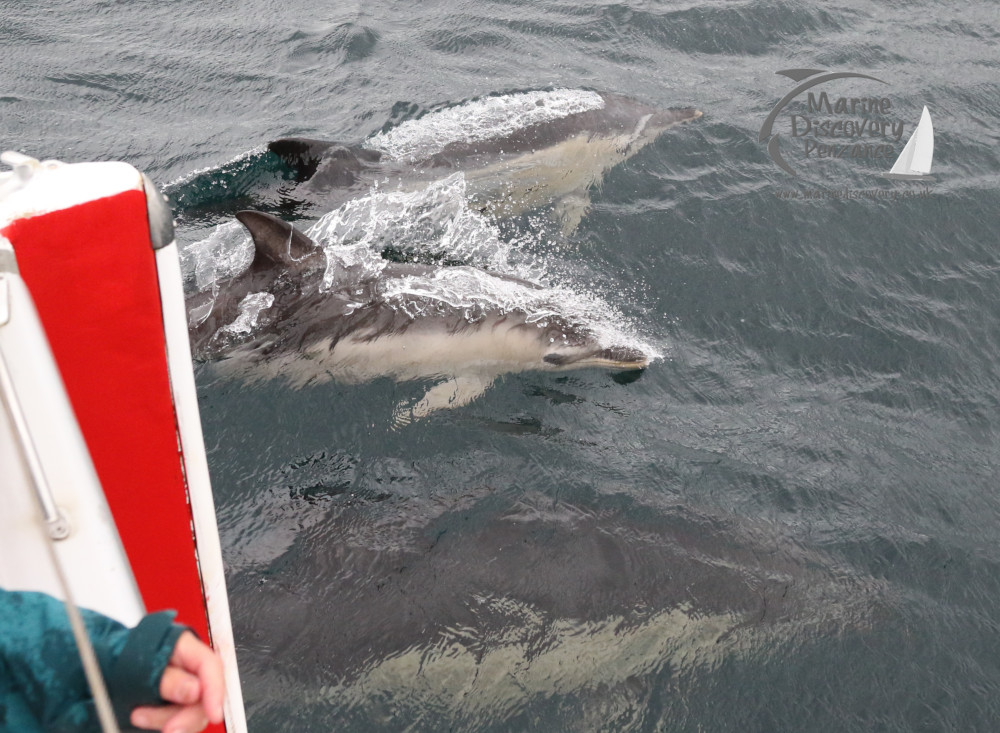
(837, 194)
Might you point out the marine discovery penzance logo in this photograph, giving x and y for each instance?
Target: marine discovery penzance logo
(821, 127)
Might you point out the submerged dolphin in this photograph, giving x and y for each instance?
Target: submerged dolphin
(502, 601)
(518, 152)
(278, 320)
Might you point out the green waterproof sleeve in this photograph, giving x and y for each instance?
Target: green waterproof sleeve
(135, 677)
(42, 683)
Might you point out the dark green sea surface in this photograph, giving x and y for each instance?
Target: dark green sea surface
(789, 522)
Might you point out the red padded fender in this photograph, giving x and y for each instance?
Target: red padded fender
(91, 270)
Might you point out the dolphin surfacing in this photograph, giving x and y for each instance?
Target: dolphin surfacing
(518, 152)
(278, 321)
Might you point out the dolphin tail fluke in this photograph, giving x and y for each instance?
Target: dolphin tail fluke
(449, 394)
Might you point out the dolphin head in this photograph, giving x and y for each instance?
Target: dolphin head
(566, 346)
(610, 357)
(637, 122)
(662, 120)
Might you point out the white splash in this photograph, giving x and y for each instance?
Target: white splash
(473, 291)
(224, 253)
(432, 222)
(436, 223)
(250, 309)
(482, 119)
(241, 162)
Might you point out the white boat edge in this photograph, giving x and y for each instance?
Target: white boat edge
(92, 555)
(199, 483)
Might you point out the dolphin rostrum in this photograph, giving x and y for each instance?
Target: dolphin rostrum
(302, 315)
(518, 152)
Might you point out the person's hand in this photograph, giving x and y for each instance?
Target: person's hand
(193, 683)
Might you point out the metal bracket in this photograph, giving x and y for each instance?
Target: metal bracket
(58, 526)
(56, 523)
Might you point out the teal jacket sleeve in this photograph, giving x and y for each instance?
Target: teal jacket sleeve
(42, 683)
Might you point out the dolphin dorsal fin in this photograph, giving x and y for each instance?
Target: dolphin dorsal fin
(305, 156)
(276, 240)
(301, 153)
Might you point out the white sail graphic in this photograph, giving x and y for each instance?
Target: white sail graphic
(914, 163)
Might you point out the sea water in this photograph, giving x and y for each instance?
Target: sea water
(789, 522)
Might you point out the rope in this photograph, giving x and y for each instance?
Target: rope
(91, 667)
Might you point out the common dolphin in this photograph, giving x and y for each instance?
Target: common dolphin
(503, 600)
(518, 152)
(281, 319)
